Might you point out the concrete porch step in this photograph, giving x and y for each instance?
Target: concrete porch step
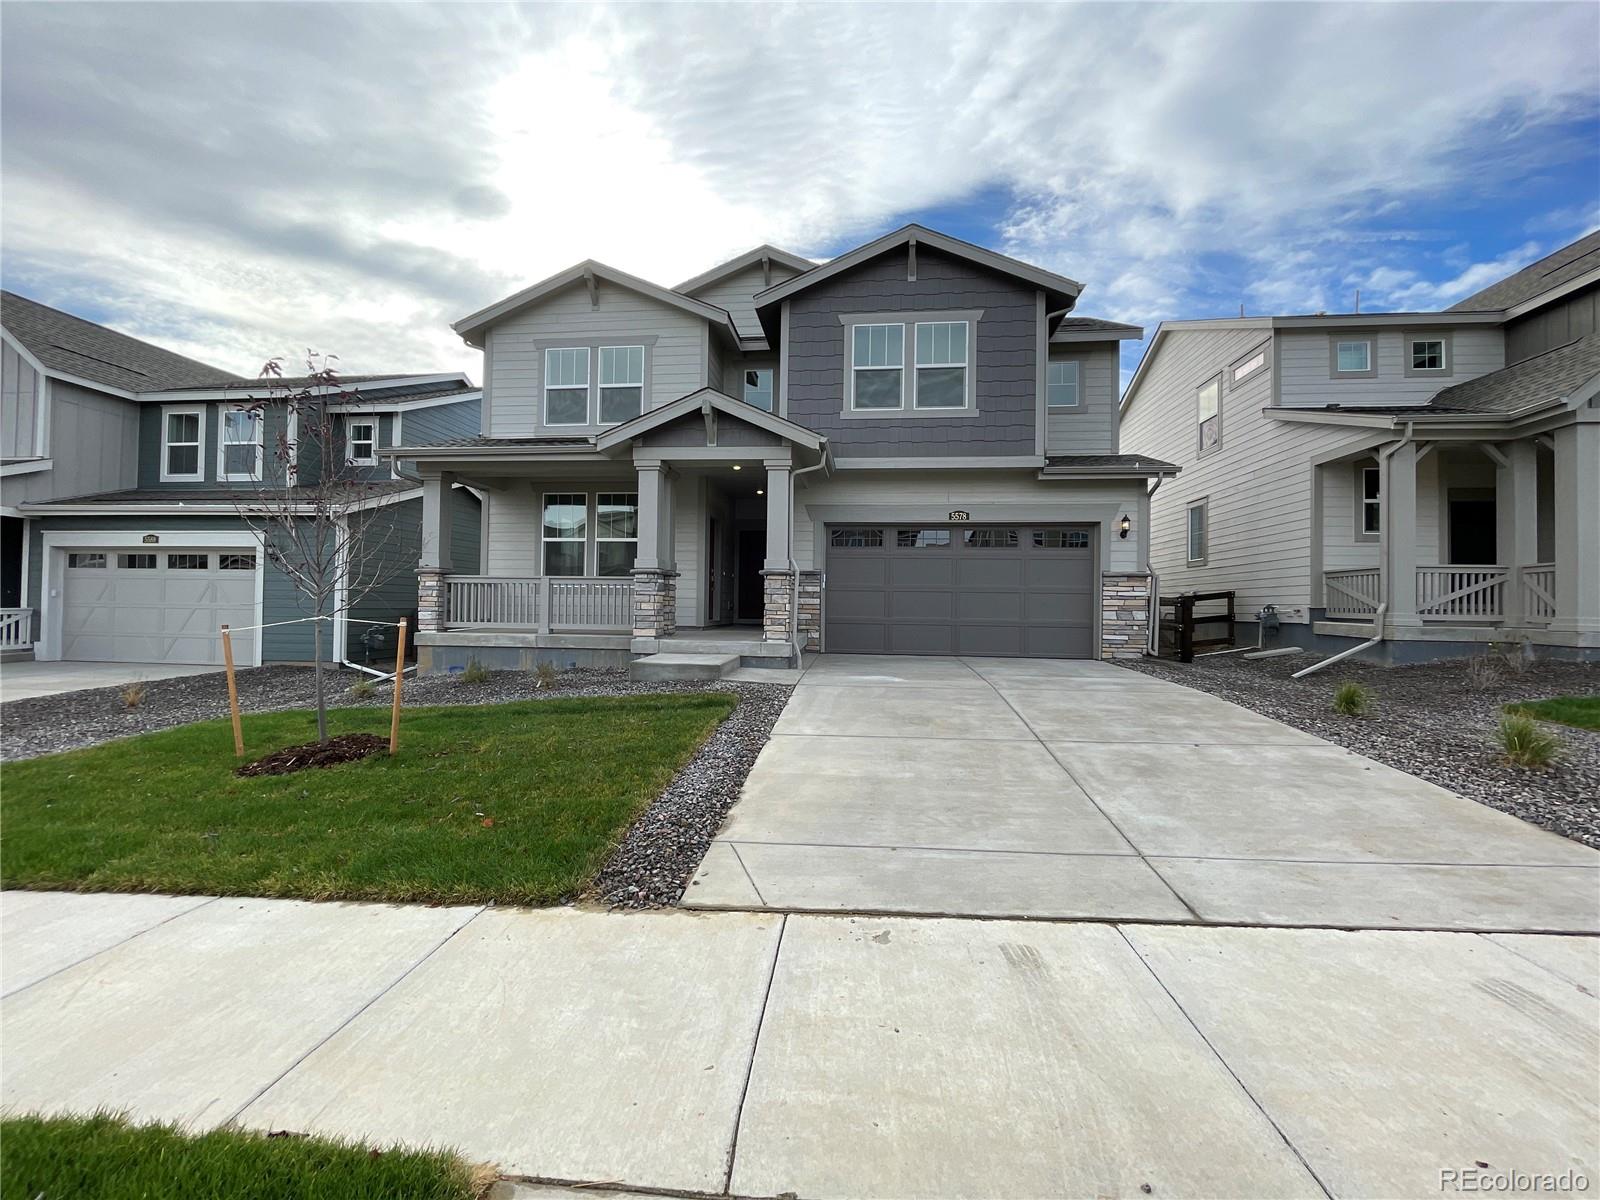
(660, 667)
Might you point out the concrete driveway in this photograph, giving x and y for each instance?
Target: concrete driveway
(26, 679)
(1081, 790)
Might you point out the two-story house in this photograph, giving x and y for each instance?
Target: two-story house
(910, 449)
(122, 469)
(1432, 478)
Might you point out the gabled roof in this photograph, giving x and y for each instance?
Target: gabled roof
(471, 327)
(1554, 375)
(69, 345)
(706, 400)
(1564, 266)
(1063, 289)
(734, 265)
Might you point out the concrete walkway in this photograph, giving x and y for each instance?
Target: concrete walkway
(1080, 790)
(765, 1054)
(25, 679)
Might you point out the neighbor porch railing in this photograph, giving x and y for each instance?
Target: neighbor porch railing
(1539, 592)
(1462, 593)
(541, 604)
(1352, 593)
(16, 628)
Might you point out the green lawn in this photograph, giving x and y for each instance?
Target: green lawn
(1580, 711)
(516, 803)
(105, 1158)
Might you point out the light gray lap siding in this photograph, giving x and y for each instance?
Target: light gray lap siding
(1004, 358)
(1091, 427)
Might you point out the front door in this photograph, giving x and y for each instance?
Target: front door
(713, 592)
(752, 553)
(1472, 534)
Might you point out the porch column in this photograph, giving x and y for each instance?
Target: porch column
(1398, 534)
(1577, 504)
(435, 564)
(655, 579)
(1516, 495)
(777, 578)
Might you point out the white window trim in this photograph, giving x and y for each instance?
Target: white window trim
(351, 420)
(634, 540)
(588, 390)
(1252, 363)
(183, 410)
(260, 444)
(1204, 505)
(900, 407)
(965, 364)
(1444, 356)
(1365, 372)
(601, 388)
(1077, 384)
(588, 525)
(1201, 449)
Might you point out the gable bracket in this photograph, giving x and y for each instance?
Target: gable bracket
(911, 260)
(766, 270)
(710, 414)
(593, 286)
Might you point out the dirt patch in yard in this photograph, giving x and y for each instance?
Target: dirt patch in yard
(347, 747)
(1436, 721)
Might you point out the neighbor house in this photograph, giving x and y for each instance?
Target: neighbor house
(122, 467)
(910, 449)
(1441, 469)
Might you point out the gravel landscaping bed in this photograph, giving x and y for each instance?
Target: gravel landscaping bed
(653, 861)
(1430, 720)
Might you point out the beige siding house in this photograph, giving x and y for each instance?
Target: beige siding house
(1430, 477)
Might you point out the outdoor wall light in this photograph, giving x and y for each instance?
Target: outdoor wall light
(1124, 525)
(761, 491)
(737, 467)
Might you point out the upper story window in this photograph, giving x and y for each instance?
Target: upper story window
(1061, 385)
(1208, 413)
(566, 386)
(361, 441)
(941, 377)
(758, 388)
(240, 444)
(621, 383)
(1352, 356)
(1247, 366)
(877, 363)
(1427, 354)
(182, 432)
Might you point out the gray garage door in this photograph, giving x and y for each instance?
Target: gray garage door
(157, 606)
(1011, 590)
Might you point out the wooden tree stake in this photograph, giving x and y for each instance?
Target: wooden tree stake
(233, 693)
(399, 676)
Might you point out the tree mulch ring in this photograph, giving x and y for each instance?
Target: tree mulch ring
(347, 747)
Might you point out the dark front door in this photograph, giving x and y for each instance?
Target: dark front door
(1009, 590)
(11, 535)
(1472, 536)
(713, 586)
(752, 553)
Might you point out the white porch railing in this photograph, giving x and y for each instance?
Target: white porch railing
(1352, 593)
(1462, 593)
(1539, 592)
(16, 628)
(538, 603)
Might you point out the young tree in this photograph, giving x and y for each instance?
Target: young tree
(315, 511)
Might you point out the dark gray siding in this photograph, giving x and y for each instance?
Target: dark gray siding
(150, 417)
(395, 533)
(1006, 358)
(1570, 318)
(426, 426)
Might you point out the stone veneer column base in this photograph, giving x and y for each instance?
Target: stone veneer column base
(1124, 615)
(810, 621)
(655, 603)
(777, 596)
(431, 600)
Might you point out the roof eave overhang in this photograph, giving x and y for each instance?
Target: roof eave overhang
(485, 453)
(616, 439)
(748, 259)
(1093, 335)
(1108, 472)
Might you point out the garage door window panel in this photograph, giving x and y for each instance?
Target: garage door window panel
(855, 539)
(83, 562)
(922, 539)
(188, 562)
(990, 539)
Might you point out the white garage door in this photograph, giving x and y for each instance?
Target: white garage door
(157, 606)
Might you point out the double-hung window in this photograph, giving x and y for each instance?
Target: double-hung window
(182, 432)
(361, 441)
(621, 383)
(878, 357)
(566, 531)
(1198, 534)
(566, 386)
(941, 380)
(616, 532)
(240, 444)
(1208, 414)
(1061, 385)
(1371, 502)
(758, 388)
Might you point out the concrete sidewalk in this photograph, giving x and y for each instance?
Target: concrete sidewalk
(874, 1057)
(1081, 790)
(25, 679)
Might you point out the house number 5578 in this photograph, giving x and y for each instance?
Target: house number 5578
(960, 514)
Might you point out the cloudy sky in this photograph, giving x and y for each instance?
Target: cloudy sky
(242, 180)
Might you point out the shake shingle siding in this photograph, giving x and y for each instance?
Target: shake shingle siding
(1006, 350)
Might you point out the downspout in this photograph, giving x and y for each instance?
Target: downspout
(794, 567)
(1386, 582)
(1152, 642)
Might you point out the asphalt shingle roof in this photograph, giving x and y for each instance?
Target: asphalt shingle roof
(1094, 325)
(1128, 462)
(1550, 271)
(471, 442)
(214, 495)
(1548, 376)
(73, 346)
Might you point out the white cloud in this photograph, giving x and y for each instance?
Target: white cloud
(260, 177)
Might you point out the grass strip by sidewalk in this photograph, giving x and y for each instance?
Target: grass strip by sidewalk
(512, 803)
(104, 1157)
(1581, 712)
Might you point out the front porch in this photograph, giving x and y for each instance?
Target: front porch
(1464, 541)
